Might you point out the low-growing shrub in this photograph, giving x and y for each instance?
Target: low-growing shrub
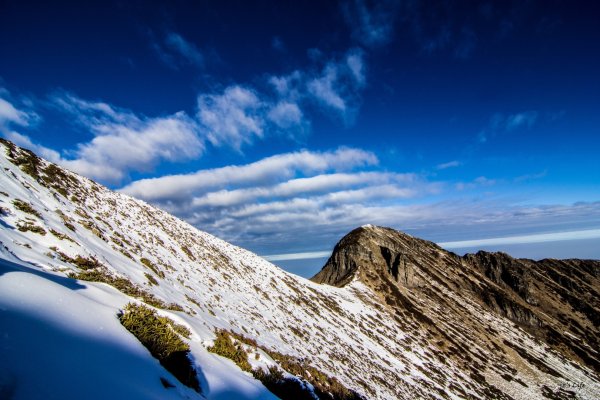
(152, 267)
(225, 347)
(24, 159)
(66, 220)
(151, 279)
(325, 387)
(160, 337)
(30, 227)
(124, 285)
(81, 262)
(284, 388)
(188, 253)
(26, 208)
(61, 236)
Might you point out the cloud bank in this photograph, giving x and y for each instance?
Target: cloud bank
(233, 117)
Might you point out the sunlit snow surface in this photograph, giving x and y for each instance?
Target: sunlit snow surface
(60, 338)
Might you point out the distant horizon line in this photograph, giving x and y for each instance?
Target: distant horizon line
(461, 244)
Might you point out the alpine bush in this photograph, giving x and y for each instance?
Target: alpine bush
(160, 336)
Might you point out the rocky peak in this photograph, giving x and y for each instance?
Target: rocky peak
(374, 252)
(554, 300)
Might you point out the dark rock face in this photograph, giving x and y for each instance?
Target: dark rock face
(556, 301)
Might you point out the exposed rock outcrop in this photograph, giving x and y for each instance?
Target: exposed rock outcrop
(556, 301)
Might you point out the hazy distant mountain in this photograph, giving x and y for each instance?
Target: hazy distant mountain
(389, 316)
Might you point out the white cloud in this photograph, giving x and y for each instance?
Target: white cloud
(268, 170)
(297, 256)
(355, 62)
(175, 51)
(280, 197)
(336, 87)
(449, 164)
(480, 181)
(323, 89)
(371, 23)
(307, 200)
(463, 244)
(499, 123)
(124, 141)
(523, 239)
(234, 117)
(9, 114)
(289, 86)
(324, 183)
(122, 148)
(521, 120)
(24, 141)
(184, 48)
(286, 115)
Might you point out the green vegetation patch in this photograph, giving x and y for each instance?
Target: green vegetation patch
(224, 347)
(188, 253)
(148, 264)
(66, 220)
(61, 236)
(160, 335)
(229, 344)
(31, 227)
(84, 263)
(124, 285)
(26, 208)
(151, 279)
(23, 158)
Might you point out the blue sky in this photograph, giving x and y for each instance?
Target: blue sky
(281, 127)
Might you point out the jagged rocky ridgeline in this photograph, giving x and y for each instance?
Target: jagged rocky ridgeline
(557, 302)
(389, 316)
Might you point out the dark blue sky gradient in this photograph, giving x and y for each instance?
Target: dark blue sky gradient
(442, 82)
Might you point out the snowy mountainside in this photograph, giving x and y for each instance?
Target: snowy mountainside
(50, 217)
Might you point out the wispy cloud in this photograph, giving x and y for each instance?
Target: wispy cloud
(286, 115)
(297, 256)
(175, 51)
(477, 182)
(267, 171)
(500, 123)
(372, 23)
(337, 86)
(523, 239)
(13, 115)
(521, 120)
(323, 89)
(443, 26)
(25, 141)
(9, 114)
(530, 177)
(124, 141)
(327, 191)
(449, 164)
(277, 44)
(233, 117)
(465, 244)
(187, 50)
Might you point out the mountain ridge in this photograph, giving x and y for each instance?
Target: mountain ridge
(513, 288)
(374, 336)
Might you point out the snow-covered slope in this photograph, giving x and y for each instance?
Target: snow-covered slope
(344, 332)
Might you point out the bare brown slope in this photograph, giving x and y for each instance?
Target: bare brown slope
(557, 301)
